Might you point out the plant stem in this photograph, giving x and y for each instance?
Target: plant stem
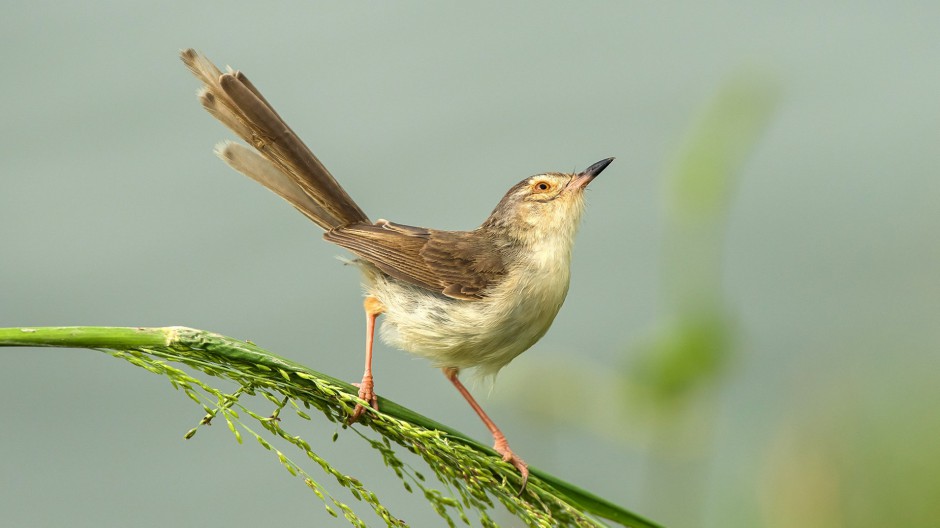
(183, 340)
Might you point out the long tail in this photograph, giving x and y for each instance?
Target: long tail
(282, 162)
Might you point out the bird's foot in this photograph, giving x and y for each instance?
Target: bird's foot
(502, 447)
(366, 393)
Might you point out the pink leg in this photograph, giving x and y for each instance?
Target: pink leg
(500, 444)
(373, 308)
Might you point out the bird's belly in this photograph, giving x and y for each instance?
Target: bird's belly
(486, 334)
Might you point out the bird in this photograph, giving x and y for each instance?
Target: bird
(462, 299)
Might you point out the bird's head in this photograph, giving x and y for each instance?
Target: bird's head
(544, 206)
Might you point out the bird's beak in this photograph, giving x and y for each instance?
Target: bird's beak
(584, 177)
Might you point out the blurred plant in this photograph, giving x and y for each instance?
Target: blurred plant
(850, 452)
(694, 344)
(669, 377)
(473, 473)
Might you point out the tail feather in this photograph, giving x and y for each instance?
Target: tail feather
(258, 168)
(285, 165)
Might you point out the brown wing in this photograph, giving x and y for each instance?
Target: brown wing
(459, 264)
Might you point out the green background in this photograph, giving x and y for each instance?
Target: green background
(113, 211)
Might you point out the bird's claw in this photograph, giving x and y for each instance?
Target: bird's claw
(502, 447)
(366, 393)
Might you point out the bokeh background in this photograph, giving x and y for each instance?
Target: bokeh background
(751, 336)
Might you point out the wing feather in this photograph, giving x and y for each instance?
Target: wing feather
(458, 264)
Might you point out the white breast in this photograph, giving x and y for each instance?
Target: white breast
(488, 333)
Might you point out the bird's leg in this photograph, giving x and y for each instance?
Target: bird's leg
(374, 308)
(500, 444)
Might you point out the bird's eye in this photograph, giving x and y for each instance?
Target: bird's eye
(542, 186)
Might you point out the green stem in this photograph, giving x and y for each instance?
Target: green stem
(183, 339)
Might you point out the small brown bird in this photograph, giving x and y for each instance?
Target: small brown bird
(463, 299)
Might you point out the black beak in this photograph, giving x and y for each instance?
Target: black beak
(597, 168)
(588, 174)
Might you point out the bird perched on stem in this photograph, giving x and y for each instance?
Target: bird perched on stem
(463, 299)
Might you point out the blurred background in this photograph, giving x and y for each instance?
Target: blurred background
(751, 336)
